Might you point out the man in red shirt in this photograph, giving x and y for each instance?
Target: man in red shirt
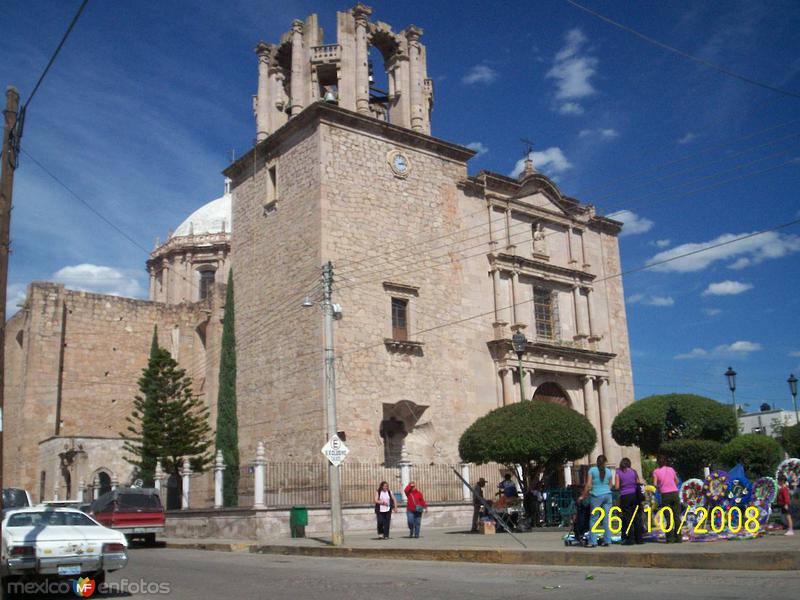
(415, 506)
(783, 502)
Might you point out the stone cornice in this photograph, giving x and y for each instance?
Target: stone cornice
(540, 348)
(324, 112)
(201, 243)
(533, 267)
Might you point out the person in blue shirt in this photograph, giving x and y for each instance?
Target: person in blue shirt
(598, 488)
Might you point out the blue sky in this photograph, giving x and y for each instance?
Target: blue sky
(149, 99)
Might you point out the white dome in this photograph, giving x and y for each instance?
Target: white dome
(214, 217)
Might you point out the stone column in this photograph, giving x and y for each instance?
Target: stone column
(297, 83)
(55, 493)
(529, 387)
(571, 246)
(465, 488)
(263, 98)
(605, 418)
(361, 14)
(114, 483)
(82, 490)
(415, 77)
(219, 474)
(260, 465)
(592, 327)
(592, 413)
(514, 284)
(158, 476)
(507, 376)
(581, 326)
(405, 468)
(511, 247)
(186, 473)
(96, 488)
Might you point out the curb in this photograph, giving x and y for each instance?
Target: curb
(733, 561)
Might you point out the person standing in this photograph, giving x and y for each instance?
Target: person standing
(384, 506)
(626, 480)
(666, 481)
(598, 488)
(415, 506)
(783, 501)
(477, 503)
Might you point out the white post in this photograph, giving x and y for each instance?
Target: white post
(706, 471)
(82, 490)
(96, 488)
(464, 486)
(260, 467)
(405, 468)
(219, 471)
(186, 473)
(55, 492)
(567, 475)
(157, 477)
(114, 484)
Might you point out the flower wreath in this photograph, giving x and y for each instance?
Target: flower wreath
(765, 490)
(692, 494)
(716, 486)
(790, 468)
(738, 493)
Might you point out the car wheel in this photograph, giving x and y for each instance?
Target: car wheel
(150, 539)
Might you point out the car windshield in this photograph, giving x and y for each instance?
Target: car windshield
(49, 518)
(138, 502)
(14, 498)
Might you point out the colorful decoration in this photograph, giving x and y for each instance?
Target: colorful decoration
(738, 487)
(790, 468)
(692, 493)
(765, 490)
(716, 486)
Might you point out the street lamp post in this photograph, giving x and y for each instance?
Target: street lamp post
(792, 381)
(731, 375)
(519, 342)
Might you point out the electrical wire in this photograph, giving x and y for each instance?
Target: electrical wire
(697, 59)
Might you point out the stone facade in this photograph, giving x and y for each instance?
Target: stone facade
(341, 198)
(73, 360)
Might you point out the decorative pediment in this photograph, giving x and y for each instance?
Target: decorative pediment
(539, 191)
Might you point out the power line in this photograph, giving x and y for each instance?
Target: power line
(697, 59)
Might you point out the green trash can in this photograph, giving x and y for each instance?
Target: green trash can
(298, 519)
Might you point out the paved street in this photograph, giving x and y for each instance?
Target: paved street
(193, 574)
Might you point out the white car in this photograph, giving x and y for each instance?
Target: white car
(58, 542)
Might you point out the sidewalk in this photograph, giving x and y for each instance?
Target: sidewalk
(770, 553)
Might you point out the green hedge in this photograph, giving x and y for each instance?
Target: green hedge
(760, 454)
(690, 456)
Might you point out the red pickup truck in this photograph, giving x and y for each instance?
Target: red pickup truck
(136, 512)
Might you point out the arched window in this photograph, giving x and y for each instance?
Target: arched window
(207, 277)
(104, 479)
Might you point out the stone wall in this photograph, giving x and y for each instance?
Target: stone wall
(75, 359)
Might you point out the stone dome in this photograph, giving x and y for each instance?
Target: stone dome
(214, 217)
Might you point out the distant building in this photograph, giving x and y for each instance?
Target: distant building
(767, 422)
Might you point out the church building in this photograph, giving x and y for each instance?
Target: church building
(435, 270)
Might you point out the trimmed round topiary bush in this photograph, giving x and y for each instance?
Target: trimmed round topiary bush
(760, 454)
(651, 421)
(690, 456)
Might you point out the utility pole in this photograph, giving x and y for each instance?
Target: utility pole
(337, 534)
(9, 163)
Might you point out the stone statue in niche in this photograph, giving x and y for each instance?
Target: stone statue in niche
(539, 242)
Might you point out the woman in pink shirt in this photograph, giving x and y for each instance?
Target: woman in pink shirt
(666, 481)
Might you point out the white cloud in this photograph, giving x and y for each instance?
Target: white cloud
(570, 108)
(633, 223)
(755, 249)
(604, 134)
(97, 278)
(687, 139)
(478, 147)
(548, 161)
(712, 312)
(727, 288)
(572, 71)
(650, 300)
(735, 350)
(15, 296)
(480, 74)
(661, 243)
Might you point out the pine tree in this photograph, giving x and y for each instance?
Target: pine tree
(168, 421)
(227, 420)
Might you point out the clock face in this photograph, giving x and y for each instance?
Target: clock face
(399, 163)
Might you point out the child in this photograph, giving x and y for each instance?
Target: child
(783, 502)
